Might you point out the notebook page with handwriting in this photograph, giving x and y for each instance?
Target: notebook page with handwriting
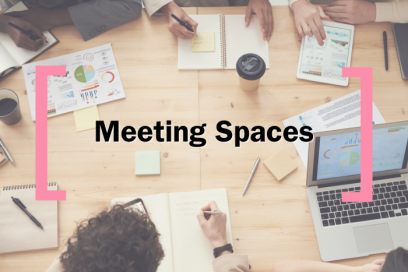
(241, 40)
(158, 208)
(189, 60)
(191, 249)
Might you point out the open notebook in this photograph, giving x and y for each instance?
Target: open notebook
(11, 56)
(185, 246)
(232, 40)
(17, 231)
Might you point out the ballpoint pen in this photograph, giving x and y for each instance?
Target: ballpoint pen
(385, 50)
(183, 24)
(250, 177)
(24, 209)
(7, 153)
(213, 212)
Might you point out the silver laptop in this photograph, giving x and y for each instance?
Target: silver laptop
(355, 229)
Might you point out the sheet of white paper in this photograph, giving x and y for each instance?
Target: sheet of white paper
(158, 208)
(337, 114)
(7, 60)
(92, 78)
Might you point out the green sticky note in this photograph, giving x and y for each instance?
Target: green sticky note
(147, 163)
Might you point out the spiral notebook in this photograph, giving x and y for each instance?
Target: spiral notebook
(232, 40)
(17, 231)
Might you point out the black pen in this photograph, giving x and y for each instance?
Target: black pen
(183, 23)
(24, 209)
(385, 50)
(32, 35)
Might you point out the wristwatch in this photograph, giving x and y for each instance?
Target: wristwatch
(219, 250)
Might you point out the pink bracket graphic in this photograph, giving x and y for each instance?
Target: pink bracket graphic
(41, 132)
(366, 193)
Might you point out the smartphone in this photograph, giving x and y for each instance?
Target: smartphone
(138, 205)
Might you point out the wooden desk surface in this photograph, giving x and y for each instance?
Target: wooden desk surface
(273, 221)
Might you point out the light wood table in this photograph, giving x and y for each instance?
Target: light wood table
(272, 222)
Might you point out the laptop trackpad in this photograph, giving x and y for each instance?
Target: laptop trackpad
(373, 238)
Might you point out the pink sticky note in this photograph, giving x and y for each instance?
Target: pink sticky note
(366, 193)
(41, 129)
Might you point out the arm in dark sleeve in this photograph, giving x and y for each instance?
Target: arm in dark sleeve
(95, 17)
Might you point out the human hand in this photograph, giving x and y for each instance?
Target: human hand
(174, 26)
(374, 266)
(308, 15)
(20, 39)
(214, 226)
(262, 9)
(351, 11)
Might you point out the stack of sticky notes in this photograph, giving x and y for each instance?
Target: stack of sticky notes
(280, 164)
(147, 163)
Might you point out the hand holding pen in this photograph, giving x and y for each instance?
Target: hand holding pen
(184, 27)
(214, 224)
(24, 34)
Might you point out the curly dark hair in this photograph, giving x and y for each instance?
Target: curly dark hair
(118, 240)
(396, 261)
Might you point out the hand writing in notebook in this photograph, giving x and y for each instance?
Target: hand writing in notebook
(20, 39)
(262, 9)
(175, 27)
(213, 225)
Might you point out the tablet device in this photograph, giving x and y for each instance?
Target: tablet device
(324, 63)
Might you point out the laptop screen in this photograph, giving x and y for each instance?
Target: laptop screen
(339, 155)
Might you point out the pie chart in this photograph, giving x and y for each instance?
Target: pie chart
(84, 73)
(349, 158)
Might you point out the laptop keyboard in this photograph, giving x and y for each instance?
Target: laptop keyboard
(390, 199)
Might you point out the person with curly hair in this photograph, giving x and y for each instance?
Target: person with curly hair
(125, 240)
(116, 240)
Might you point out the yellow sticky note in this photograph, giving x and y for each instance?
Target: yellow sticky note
(85, 118)
(280, 164)
(203, 42)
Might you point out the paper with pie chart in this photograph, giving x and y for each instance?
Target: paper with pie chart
(340, 155)
(92, 78)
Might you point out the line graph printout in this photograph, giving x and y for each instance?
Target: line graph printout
(327, 60)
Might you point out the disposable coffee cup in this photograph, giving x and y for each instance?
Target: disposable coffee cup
(250, 68)
(10, 113)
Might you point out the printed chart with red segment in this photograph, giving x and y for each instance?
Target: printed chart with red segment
(108, 77)
(84, 73)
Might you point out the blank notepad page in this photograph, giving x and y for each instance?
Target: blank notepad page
(242, 40)
(188, 60)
